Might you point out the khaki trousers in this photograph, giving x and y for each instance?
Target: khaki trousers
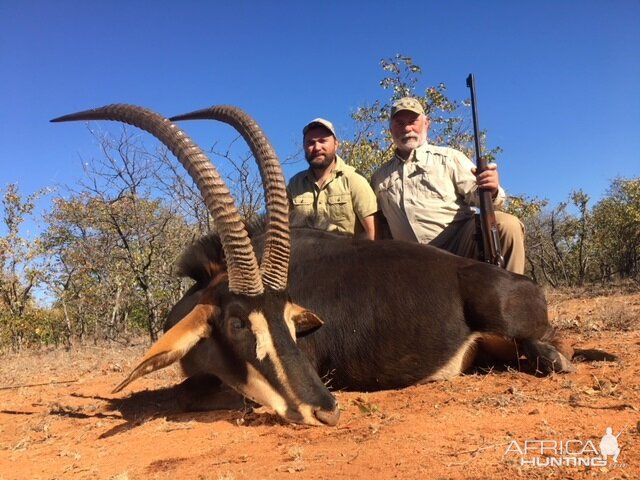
(511, 232)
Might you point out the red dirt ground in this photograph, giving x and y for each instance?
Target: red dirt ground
(58, 419)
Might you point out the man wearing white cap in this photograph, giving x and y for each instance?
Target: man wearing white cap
(426, 193)
(330, 195)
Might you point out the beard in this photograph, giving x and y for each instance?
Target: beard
(409, 141)
(320, 162)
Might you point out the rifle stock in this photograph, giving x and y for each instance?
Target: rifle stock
(490, 240)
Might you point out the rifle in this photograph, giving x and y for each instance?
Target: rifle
(487, 228)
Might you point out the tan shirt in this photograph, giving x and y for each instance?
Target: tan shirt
(345, 198)
(430, 191)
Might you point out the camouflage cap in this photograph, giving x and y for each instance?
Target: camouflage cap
(407, 103)
(319, 122)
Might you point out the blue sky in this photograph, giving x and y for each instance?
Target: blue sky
(557, 80)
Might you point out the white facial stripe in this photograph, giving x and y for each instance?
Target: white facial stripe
(259, 390)
(264, 342)
(263, 393)
(264, 347)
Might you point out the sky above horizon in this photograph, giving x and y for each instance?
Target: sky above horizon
(556, 80)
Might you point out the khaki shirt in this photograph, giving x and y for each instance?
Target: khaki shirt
(345, 197)
(432, 190)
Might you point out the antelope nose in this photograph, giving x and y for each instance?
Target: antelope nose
(328, 417)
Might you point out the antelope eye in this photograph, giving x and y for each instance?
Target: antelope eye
(237, 323)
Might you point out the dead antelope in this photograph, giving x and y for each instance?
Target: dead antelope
(396, 313)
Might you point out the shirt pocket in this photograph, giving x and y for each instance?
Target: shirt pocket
(433, 182)
(389, 189)
(303, 205)
(339, 205)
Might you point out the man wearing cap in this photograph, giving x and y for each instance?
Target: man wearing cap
(426, 192)
(330, 195)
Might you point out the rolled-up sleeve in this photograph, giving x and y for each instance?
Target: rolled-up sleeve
(362, 197)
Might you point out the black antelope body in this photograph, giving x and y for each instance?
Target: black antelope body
(397, 313)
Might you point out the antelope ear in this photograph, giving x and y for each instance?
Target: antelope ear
(175, 343)
(306, 321)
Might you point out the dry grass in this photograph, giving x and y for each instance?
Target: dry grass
(592, 309)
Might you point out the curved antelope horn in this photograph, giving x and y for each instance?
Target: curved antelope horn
(275, 259)
(242, 265)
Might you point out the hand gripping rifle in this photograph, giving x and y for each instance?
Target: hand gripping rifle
(487, 228)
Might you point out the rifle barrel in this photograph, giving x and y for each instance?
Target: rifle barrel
(490, 240)
(481, 164)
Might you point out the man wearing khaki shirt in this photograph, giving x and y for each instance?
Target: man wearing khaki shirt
(330, 195)
(426, 192)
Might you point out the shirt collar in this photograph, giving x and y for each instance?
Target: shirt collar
(339, 168)
(418, 155)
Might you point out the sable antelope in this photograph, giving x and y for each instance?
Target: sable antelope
(241, 325)
(395, 313)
